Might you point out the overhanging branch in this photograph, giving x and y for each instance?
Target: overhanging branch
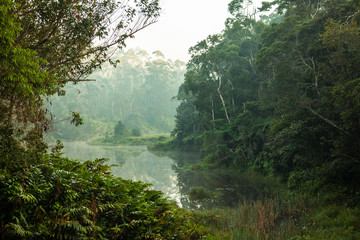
(76, 80)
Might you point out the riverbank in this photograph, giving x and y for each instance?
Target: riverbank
(147, 140)
(262, 207)
(296, 217)
(278, 212)
(238, 205)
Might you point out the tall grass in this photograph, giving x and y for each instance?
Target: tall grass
(259, 220)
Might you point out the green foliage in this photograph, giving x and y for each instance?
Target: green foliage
(120, 130)
(330, 222)
(138, 91)
(45, 44)
(23, 81)
(279, 97)
(76, 119)
(260, 220)
(45, 196)
(221, 110)
(148, 140)
(136, 132)
(311, 58)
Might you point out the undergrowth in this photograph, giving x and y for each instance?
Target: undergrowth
(297, 218)
(46, 196)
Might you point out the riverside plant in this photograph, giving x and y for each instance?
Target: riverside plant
(260, 220)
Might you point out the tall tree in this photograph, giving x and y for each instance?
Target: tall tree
(47, 43)
(310, 59)
(223, 85)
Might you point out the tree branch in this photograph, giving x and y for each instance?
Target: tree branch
(323, 118)
(76, 80)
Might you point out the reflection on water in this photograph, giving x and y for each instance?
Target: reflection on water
(169, 172)
(135, 163)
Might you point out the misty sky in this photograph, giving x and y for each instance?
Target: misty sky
(182, 24)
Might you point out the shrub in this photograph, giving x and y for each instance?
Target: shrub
(46, 196)
(136, 132)
(120, 130)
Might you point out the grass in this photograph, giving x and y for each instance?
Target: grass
(296, 218)
(260, 220)
(278, 216)
(331, 222)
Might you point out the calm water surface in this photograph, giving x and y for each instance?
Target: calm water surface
(192, 189)
(135, 163)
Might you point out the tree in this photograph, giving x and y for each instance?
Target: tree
(23, 81)
(120, 130)
(136, 132)
(222, 106)
(126, 92)
(46, 196)
(47, 43)
(310, 60)
(187, 126)
(162, 78)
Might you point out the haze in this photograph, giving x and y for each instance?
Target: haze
(182, 24)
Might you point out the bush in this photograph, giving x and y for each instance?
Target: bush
(136, 132)
(120, 130)
(46, 196)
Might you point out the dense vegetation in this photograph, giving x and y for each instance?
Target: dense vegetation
(46, 196)
(43, 45)
(280, 96)
(138, 92)
(149, 140)
(275, 97)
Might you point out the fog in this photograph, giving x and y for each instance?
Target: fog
(139, 92)
(182, 24)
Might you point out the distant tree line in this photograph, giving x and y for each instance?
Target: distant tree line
(121, 130)
(138, 92)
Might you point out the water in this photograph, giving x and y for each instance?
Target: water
(170, 173)
(134, 162)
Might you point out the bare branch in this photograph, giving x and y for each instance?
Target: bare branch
(76, 80)
(323, 118)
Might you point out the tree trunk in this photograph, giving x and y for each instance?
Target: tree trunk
(232, 96)
(222, 101)
(212, 112)
(11, 107)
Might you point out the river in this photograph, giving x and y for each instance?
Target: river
(134, 162)
(191, 188)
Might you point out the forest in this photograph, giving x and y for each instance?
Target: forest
(279, 96)
(137, 92)
(271, 105)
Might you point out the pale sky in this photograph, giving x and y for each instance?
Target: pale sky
(182, 24)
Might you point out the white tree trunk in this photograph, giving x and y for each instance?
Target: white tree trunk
(222, 101)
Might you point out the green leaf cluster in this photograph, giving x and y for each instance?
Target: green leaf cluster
(44, 44)
(279, 97)
(46, 196)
